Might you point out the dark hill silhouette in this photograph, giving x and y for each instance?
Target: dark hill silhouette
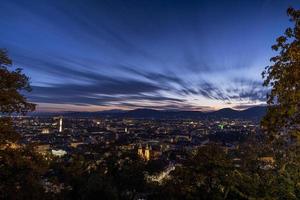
(226, 113)
(250, 113)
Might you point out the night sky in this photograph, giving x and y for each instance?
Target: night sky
(162, 54)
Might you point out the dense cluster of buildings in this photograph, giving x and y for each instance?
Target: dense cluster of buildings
(151, 139)
(165, 141)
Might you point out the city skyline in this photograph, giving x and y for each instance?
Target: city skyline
(140, 54)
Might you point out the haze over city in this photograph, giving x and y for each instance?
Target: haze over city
(101, 55)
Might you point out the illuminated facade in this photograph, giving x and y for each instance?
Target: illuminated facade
(147, 153)
(144, 154)
(140, 151)
(45, 131)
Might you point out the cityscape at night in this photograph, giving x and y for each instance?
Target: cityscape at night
(142, 100)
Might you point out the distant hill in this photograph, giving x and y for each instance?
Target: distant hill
(250, 113)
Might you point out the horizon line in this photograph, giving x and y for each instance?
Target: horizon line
(155, 109)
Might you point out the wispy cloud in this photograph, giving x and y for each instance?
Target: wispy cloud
(154, 54)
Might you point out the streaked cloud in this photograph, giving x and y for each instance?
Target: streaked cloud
(93, 55)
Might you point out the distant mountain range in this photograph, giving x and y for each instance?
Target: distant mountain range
(250, 113)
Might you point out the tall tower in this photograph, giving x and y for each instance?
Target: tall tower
(60, 124)
(140, 151)
(147, 152)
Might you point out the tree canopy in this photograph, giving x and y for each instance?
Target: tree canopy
(283, 78)
(12, 83)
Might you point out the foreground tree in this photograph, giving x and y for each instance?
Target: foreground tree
(12, 83)
(282, 122)
(283, 76)
(20, 167)
(206, 175)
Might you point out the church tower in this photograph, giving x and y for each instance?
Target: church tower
(147, 153)
(140, 151)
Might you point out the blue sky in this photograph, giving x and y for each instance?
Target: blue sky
(112, 54)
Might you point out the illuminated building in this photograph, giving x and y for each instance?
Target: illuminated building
(45, 131)
(42, 149)
(10, 145)
(147, 153)
(140, 151)
(144, 154)
(60, 124)
(76, 144)
(221, 126)
(58, 153)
